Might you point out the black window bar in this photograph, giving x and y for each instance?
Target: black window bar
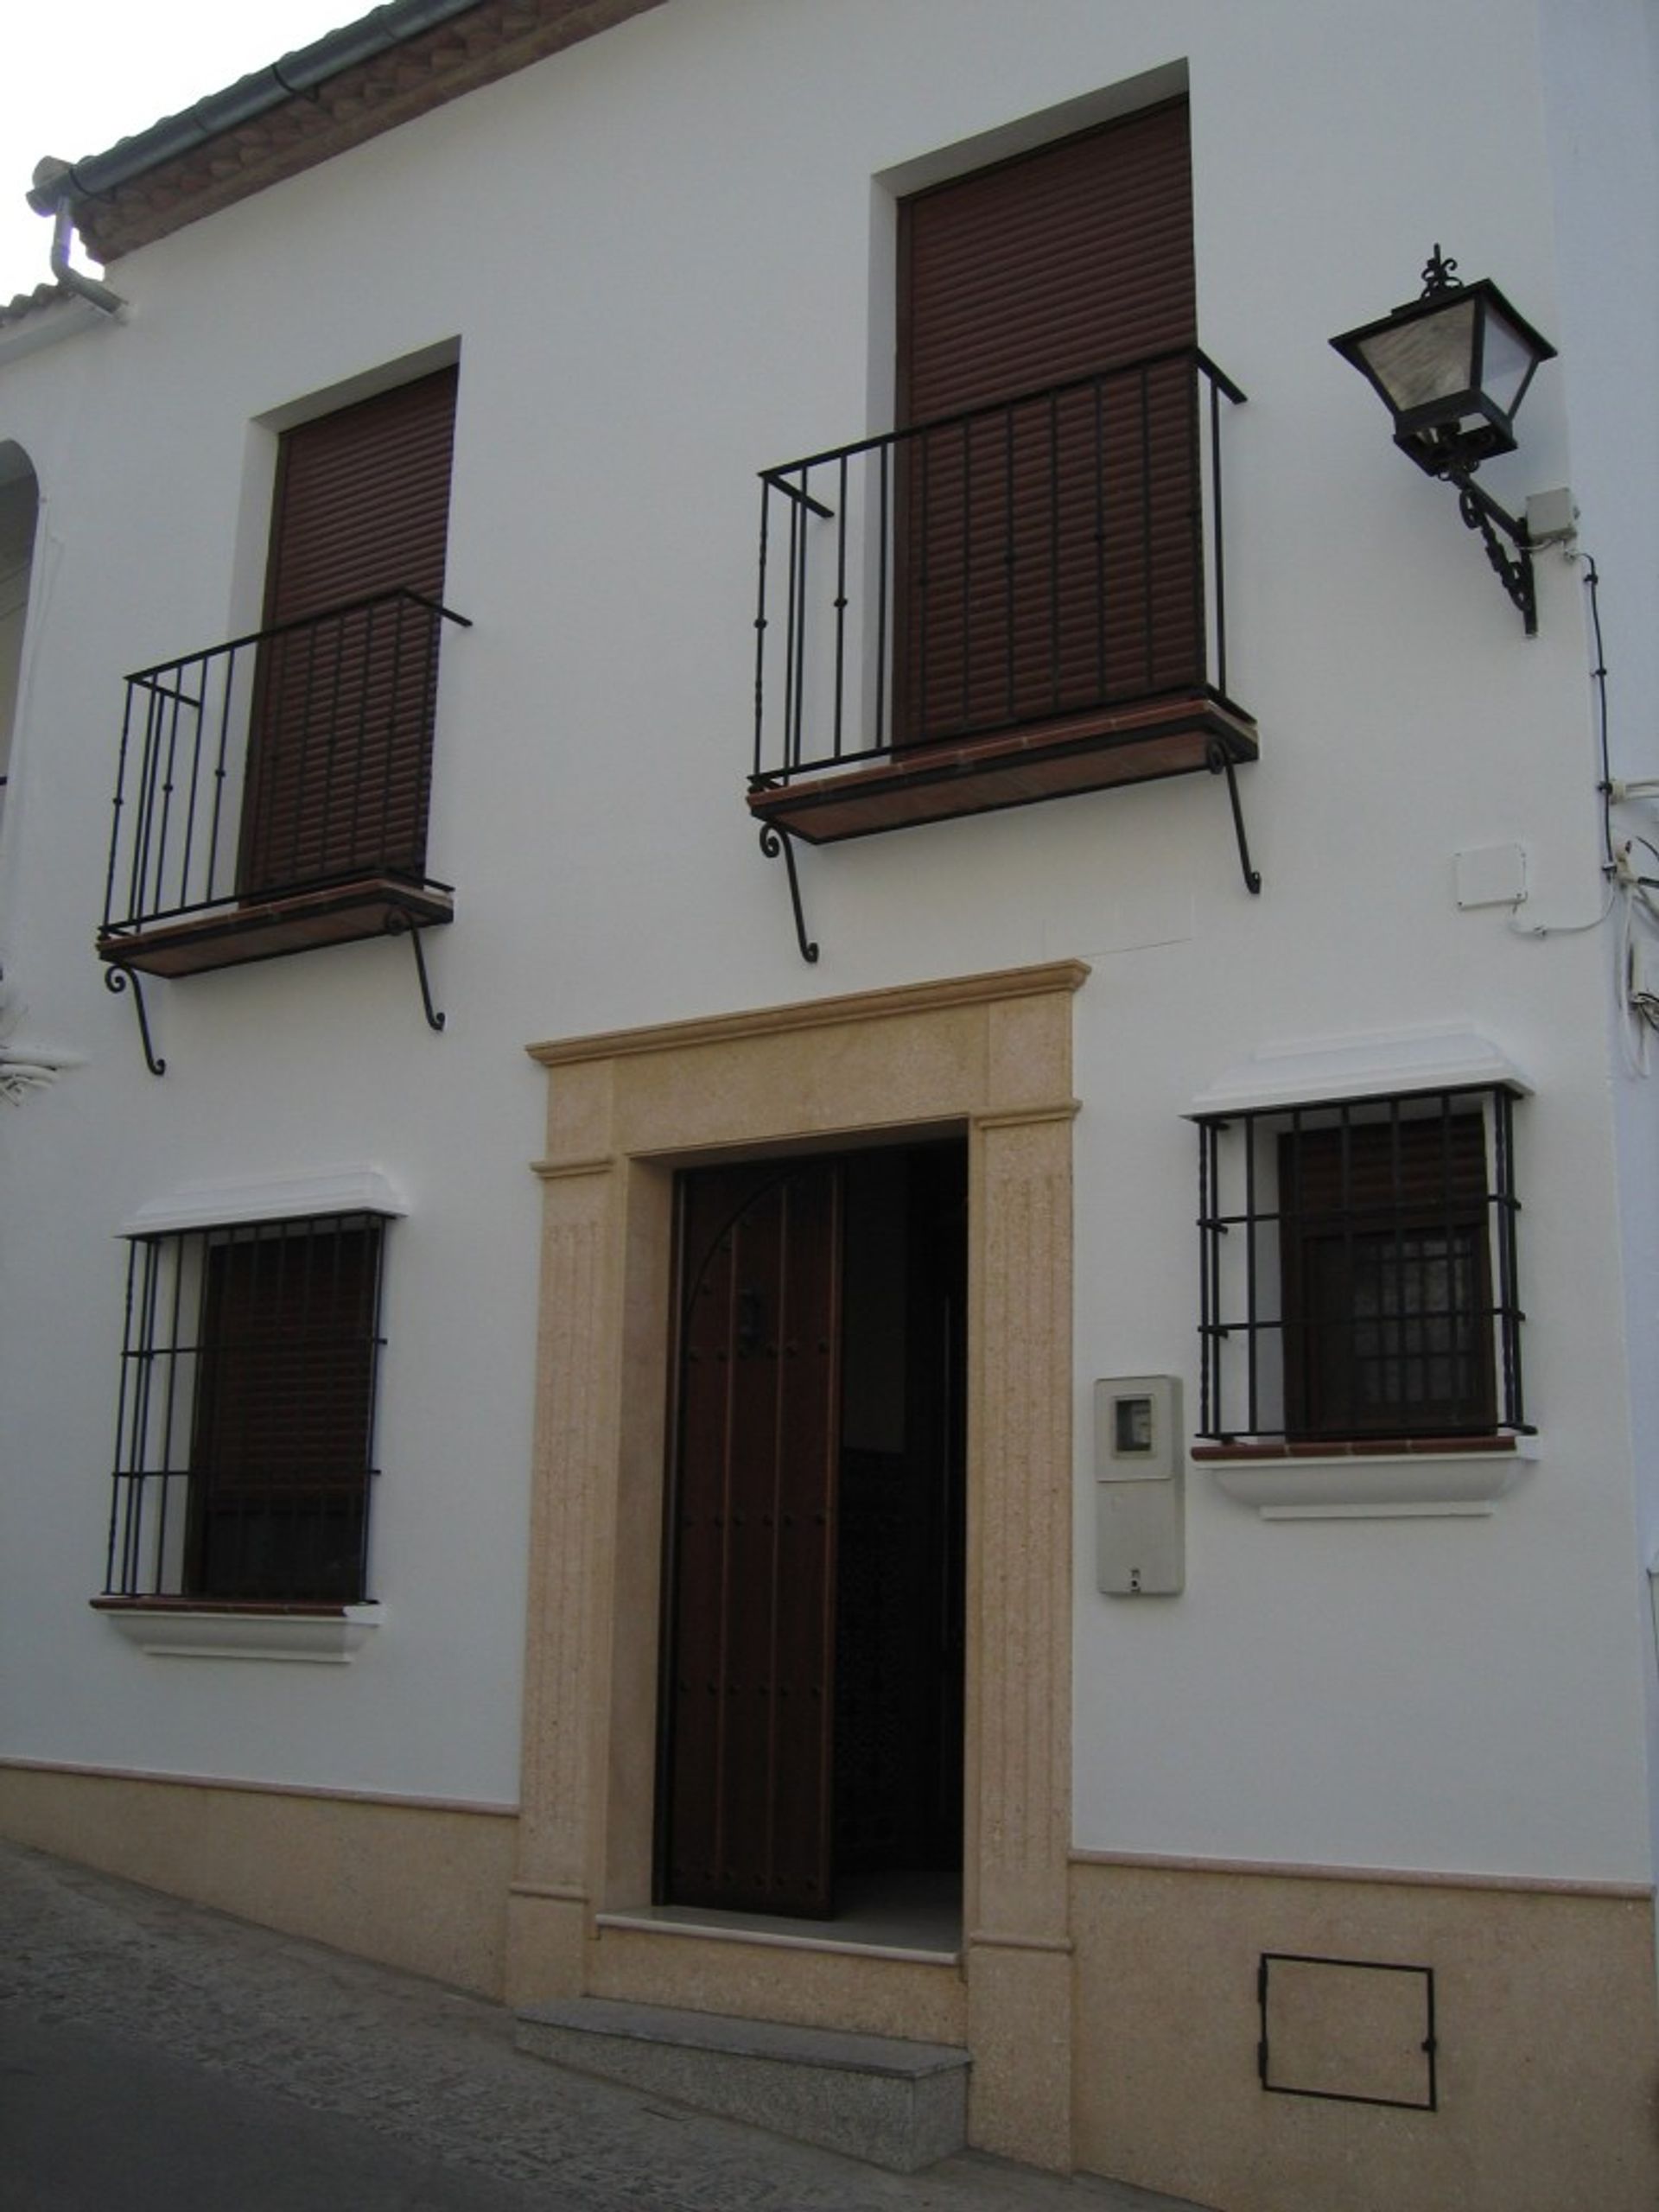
(245, 1417)
(1357, 1279)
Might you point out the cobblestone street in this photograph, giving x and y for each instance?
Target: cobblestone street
(153, 2054)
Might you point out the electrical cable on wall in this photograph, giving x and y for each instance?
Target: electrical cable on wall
(1599, 677)
(1627, 887)
(1639, 952)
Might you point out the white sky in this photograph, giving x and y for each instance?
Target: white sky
(77, 79)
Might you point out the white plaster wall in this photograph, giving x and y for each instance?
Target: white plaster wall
(655, 251)
(1602, 80)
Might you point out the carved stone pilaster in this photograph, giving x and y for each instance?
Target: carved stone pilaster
(1020, 1552)
(572, 1511)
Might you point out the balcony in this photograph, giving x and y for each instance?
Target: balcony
(272, 792)
(1011, 604)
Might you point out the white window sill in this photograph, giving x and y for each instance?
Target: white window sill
(327, 1638)
(1360, 1486)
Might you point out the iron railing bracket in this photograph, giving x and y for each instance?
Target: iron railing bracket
(774, 841)
(1220, 763)
(121, 979)
(397, 924)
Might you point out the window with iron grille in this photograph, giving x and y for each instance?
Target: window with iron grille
(244, 1445)
(1358, 1281)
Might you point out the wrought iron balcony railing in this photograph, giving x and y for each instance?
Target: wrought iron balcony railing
(273, 791)
(1001, 605)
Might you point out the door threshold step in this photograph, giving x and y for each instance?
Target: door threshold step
(752, 1929)
(893, 2103)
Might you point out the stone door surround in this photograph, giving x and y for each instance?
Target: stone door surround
(988, 1055)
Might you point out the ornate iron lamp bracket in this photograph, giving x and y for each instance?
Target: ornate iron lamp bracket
(1481, 513)
(774, 841)
(122, 979)
(1220, 762)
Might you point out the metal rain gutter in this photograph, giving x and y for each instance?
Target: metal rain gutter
(72, 279)
(396, 25)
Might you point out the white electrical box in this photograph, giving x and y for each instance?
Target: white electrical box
(1552, 518)
(1139, 1487)
(1491, 876)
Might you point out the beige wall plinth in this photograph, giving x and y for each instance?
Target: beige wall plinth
(1545, 2019)
(1019, 2033)
(546, 1939)
(989, 1057)
(418, 1886)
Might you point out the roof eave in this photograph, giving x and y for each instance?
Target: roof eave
(399, 61)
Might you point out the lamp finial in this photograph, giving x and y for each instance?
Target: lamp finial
(1439, 275)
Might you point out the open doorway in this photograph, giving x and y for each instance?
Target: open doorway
(811, 1753)
(19, 514)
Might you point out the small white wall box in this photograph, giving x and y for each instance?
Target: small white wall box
(1491, 876)
(1139, 1487)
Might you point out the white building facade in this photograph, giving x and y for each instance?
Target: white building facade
(1071, 1476)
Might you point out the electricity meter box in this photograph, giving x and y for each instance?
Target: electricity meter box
(1139, 1487)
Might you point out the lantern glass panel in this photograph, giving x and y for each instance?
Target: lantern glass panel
(1507, 361)
(1426, 359)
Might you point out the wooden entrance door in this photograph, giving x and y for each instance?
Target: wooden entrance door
(748, 1760)
(811, 1719)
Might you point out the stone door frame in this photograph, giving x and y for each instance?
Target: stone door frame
(988, 1055)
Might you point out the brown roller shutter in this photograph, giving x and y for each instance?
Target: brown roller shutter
(285, 1410)
(1371, 1171)
(1049, 552)
(339, 763)
(1387, 1279)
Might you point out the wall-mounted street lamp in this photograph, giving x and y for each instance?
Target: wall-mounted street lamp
(1453, 368)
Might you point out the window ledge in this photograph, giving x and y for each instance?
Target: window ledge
(1355, 1482)
(326, 1635)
